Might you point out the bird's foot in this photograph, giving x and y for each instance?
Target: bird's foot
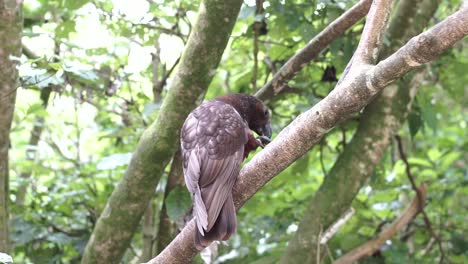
(263, 141)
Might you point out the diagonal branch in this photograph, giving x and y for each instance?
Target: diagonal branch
(419, 193)
(373, 33)
(368, 248)
(372, 37)
(278, 83)
(307, 129)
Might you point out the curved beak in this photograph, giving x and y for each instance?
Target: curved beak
(264, 134)
(265, 130)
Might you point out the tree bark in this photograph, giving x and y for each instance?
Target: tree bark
(380, 121)
(122, 214)
(11, 26)
(306, 130)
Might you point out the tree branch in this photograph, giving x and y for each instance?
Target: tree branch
(312, 49)
(372, 36)
(419, 193)
(373, 33)
(308, 128)
(368, 248)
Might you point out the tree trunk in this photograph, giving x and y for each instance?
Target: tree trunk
(125, 207)
(380, 121)
(11, 26)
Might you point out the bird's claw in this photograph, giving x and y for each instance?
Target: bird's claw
(263, 141)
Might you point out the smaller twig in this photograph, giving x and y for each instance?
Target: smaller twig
(332, 260)
(427, 221)
(78, 134)
(256, 28)
(270, 64)
(289, 46)
(322, 164)
(318, 245)
(58, 149)
(331, 231)
(343, 137)
(373, 32)
(369, 247)
(428, 247)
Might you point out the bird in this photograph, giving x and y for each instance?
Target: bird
(215, 138)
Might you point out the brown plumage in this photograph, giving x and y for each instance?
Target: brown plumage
(215, 139)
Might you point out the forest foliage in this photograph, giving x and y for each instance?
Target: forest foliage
(93, 75)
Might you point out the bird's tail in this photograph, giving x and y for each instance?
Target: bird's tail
(224, 227)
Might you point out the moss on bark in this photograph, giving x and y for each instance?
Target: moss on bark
(11, 26)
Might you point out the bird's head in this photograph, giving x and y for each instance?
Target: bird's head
(252, 110)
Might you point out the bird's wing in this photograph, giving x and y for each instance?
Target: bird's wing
(212, 139)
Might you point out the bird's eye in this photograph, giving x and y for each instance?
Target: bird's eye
(266, 112)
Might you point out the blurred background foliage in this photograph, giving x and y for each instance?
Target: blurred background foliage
(88, 75)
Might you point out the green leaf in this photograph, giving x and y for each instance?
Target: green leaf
(60, 238)
(74, 4)
(36, 109)
(83, 72)
(414, 123)
(447, 160)
(178, 202)
(65, 28)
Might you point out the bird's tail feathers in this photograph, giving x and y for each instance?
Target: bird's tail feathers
(224, 227)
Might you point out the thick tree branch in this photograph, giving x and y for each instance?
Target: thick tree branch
(122, 214)
(373, 33)
(422, 49)
(372, 37)
(308, 128)
(312, 49)
(368, 248)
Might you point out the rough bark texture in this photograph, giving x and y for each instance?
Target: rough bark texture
(125, 207)
(312, 49)
(381, 119)
(373, 33)
(11, 26)
(308, 128)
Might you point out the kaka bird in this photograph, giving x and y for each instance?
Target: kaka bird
(215, 139)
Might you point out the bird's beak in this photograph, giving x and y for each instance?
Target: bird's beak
(264, 134)
(265, 130)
